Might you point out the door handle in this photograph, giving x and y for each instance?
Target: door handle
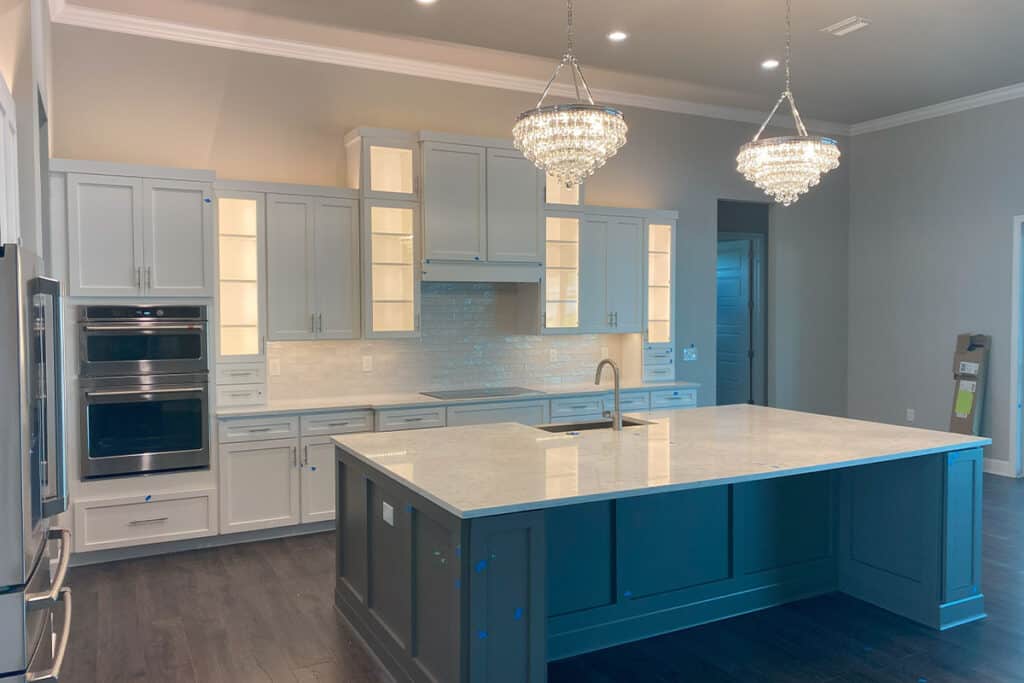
(52, 675)
(305, 455)
(149, 277)
(51, 596)
(140, 392)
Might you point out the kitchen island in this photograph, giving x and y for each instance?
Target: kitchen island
(480, 553)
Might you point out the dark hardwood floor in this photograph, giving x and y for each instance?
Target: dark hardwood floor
(264, 612)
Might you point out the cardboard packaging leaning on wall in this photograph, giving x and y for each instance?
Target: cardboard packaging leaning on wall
(970, 367)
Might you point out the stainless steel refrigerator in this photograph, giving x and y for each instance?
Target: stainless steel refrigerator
(35, 606)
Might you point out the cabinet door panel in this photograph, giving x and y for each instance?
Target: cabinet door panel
(593, 299)
(317, 480)
(625, 278)
(336, 268)
(454, 210)
(289, 290)
(104, 235)
(261, 484)
(514, 222)
(178, 222)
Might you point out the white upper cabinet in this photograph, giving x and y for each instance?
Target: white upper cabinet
(289, 280)
(391, 283)
(176, 242)
(336, 268)
(557, 194)
(312, 268)
(105, 235)
(454, 202)
(241, 297)
(383, 163)
(130, 236)
(10, 227)
(611, 274)
(515, 225)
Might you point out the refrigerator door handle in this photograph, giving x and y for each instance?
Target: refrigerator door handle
(55, 394)
(53, 595)
(52, 674)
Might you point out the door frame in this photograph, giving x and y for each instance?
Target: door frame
(759, 297)
(1015, 466)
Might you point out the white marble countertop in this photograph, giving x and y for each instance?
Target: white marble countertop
(484, 470)
(413, 399)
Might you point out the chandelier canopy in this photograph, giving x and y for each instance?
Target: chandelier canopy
(570, 141)
(787, 167)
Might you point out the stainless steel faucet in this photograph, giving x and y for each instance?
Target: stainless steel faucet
(616, 414)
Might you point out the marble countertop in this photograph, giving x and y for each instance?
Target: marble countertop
(413, 399)
(484, 470)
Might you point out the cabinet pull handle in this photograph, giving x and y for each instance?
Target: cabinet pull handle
(138, 277)
(338, 424)
(320, 322)
(312, 323)
(153, 520)
(256, 430)
(295, 456)
(305, 455)
(414, 419)
(149, 277)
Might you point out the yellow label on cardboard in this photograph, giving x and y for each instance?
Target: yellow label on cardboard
(965, 399)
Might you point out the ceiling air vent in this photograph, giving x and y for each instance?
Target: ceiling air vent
(847, 26)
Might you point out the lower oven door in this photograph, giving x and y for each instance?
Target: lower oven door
(144, 427)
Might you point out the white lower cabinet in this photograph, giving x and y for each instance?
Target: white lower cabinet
(577, 408)
(101, 524)
(523, 412)
(260, 484)
(317, 479)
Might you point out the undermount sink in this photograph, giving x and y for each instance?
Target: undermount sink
(592, 424)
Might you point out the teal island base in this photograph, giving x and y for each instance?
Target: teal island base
(490, 599)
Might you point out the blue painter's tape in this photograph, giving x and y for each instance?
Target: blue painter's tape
(481, 565)
(408, 508)
(313, 468)
(148, 498)
(573, 433)
(207, 200)
(482, 635)
(518, 614)
(458, 583)
(458, 551)
(627, 594)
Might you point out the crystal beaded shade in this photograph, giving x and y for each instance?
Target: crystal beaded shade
(570, 141)
(787, 167)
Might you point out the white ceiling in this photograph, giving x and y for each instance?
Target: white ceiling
(915, 53)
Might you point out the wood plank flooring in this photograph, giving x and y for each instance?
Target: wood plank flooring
(264, 612)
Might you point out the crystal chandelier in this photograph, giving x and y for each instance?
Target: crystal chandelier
(786, 167)
(570, 141)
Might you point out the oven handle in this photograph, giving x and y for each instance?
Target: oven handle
(53, 673)
(141, 392)
(51, 596)
(140, 329)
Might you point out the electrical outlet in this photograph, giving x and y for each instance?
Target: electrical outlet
(690, 353)
(367, 363)
(553, 355)
(275, 367)
(604, 352)
(911, 414)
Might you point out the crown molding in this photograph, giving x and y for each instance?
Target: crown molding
(63, 12)
(984, 99)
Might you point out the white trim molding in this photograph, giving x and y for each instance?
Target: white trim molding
(63, 12)
(1014, 466)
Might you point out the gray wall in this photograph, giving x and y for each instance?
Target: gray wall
(130, 99)
(932, 206)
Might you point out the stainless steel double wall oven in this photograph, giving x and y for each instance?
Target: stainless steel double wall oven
(144, 389)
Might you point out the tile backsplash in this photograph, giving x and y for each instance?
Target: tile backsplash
(460, 347)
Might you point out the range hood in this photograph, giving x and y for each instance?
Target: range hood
(481, 271)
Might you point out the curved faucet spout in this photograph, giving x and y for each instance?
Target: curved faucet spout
(616, 414)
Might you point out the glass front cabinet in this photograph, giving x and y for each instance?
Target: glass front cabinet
(391, 272)
(241, 293)
(383, 163)
(659, 357)
(561, 303)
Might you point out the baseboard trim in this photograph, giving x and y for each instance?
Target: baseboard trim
(137, 551)
(1002, 468)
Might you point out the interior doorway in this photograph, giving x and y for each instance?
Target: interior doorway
(741, 294)
(1015, 465)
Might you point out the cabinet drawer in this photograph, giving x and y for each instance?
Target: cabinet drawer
(241, 373)
(659, 351)
(258, 429)
(582, 406)
(659, 373)
(120, 522)
(630, 403)
(233, 395)
(674, 398)
(410, 418)
(325, 424)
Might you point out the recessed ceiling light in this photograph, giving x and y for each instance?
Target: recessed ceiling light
(426, 2)
(770, 64)
(617, 36)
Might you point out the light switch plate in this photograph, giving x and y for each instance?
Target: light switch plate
(690, 353)
(367, 363)
(388, 513)
(275, 367)
(911, 414)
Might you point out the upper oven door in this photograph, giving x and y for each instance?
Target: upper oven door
(141, 348)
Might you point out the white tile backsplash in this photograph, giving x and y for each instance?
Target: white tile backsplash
(460, 347)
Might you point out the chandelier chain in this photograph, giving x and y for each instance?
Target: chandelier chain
(789, 40)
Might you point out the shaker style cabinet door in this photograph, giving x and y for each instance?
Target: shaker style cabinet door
(290, 221)
(178, 238)
(317, 480)
(336, 269)
(260, 484)
(515, 225)
(105, 236)
(594, 315)
(624, 284)
(454, 202)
